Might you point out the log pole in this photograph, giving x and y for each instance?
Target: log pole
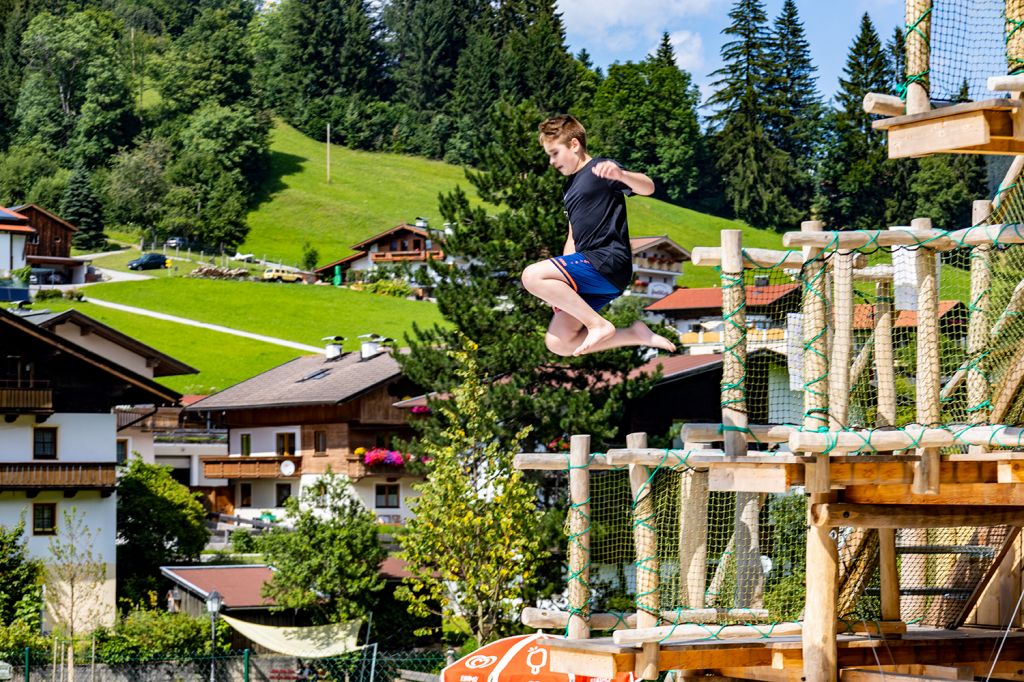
(693, 533)
(928, 383)
(645, 541)
(579, 538)
(918, 38)
(978, 390)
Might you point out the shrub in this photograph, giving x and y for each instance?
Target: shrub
(146, 634)
(242, 541)
(74, 294)
(48, 294)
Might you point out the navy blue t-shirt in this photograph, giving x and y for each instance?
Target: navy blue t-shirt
(596, 208)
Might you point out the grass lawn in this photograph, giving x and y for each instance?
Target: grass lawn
(368, 193)
(222, 359)
(183, 262)
(296, 312)
(371, 192)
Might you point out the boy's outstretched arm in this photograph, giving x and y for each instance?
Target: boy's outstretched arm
(637, 182)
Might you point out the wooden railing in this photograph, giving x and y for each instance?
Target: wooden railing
(36, 396)
(420, 254)
(217, 466)
(57, 475)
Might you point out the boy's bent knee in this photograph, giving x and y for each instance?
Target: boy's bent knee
(558, 345)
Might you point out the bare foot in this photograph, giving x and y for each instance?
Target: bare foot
(595, 335)
(648, 338)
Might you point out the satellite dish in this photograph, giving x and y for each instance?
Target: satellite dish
(287, 468)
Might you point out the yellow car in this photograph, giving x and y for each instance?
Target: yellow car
(281, 275)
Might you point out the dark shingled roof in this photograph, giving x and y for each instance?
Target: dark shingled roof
(308, 380)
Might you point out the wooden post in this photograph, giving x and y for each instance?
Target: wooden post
(885, 365)
(890, 579)
(749, 575)
(978, 389)
(842, 340)
(693, 533)
(928, 384)
(579, 541)
(645, 540)
(919, 30)
(820, 652)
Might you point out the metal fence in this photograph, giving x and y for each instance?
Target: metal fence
(365, 665)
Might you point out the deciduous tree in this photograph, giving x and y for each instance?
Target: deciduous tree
(159, 522)
(328, 561)
(20, 573)
(472, 547)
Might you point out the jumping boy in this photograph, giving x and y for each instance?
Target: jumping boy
(597, 262)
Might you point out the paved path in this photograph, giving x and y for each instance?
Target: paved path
(205, 325)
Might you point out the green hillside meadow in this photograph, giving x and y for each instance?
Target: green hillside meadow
(371, 192)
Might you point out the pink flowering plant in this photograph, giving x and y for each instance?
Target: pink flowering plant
(383, 457)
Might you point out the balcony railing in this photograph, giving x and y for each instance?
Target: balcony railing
(26, 396)
(217, 466)
(395, 256)
(63, 475)
(657, 264)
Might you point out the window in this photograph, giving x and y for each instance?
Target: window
(44, 443)
(32, 239)
(245, 444)
(284, 491)
(405, 245)
(393, 246)
(387, 496)
(44, 518)
(320, 442)
(245, 494)
(122, 450)
(286, 444)
(416, 244)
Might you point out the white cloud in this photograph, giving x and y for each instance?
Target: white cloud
(626, 25)
(689, 49)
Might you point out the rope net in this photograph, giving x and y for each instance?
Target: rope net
(727, 558)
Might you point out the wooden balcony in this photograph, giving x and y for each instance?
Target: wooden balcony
(26, 397)
(217, 466)
(58, 475)
(401, 256)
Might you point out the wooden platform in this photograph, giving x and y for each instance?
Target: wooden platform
(925, 653)
(994, 126)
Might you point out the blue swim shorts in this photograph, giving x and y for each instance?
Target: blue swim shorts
(586, 281)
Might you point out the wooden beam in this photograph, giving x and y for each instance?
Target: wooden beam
(967, 494)
(753, 478)
(710, 433)
(889, 578)
(928, 380)
(884, 105)
(693, 536)
(1006, 83)
(550, 619)
(912, 515)
(918, 20)
(579, 540)
(553, 461)
(645, 543)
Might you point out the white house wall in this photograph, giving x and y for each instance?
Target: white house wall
(12, 252)
(186, 456)
(80, 438)
(264, 440)
(366, 489)
(104, 347)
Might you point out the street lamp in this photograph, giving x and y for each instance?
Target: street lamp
(213, 603)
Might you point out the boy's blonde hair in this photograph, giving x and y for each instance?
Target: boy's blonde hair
(562, 128)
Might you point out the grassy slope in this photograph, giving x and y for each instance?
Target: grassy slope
(371, 192)
(368, 193)
(289, 311)
(222, 359)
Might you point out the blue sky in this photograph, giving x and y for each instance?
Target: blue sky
(627, 30)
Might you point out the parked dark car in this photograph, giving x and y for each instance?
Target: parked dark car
(148, 261)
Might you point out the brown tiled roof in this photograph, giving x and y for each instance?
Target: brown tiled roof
(239, 586)
(673, 365)
(307, 380)
(403, 226)
(702, 299)
(864, 315)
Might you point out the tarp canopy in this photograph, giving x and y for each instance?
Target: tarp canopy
(315, 641)
(514, 659)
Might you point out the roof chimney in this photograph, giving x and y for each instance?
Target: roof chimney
(372, 346)
(421, 222)
(333, 348)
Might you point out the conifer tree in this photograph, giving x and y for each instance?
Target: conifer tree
(80, 207)
(852, 190)
(536, 65)
(753, 168)
(900, 200)
(793, 105)
(476, 83)
(426, 39)
(485, 302)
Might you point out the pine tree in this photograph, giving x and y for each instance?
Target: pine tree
(485, 303)
(427, 37)
(536, 65)
(852, 192)
(476, 83)
(794, 107)
(753, 169)
(900, 202)
(80, 207)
